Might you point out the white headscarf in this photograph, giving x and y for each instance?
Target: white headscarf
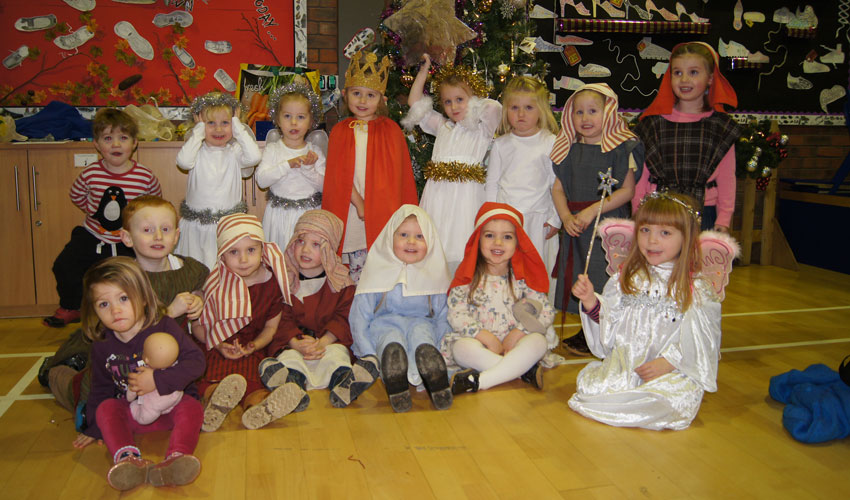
(383, 270)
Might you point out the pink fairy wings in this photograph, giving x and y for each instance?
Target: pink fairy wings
(718, 251)
(617, 238)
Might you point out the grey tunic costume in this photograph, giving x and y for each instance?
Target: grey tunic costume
(578, 173)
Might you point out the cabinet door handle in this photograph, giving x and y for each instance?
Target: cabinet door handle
(34, 190)
(17, 192)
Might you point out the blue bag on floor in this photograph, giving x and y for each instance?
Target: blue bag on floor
(818, 403)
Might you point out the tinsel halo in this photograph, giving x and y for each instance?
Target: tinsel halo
(471, 78)
(299, 88)
(214, 98)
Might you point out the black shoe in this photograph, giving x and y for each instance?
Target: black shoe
(43, 370)
(353, 381)
(534, 377)
(432, 368)
(77, 361)
(394, 374)
(577, 344)
(465, 381)
(301, 381)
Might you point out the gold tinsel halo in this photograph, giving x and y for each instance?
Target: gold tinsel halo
(471, 78)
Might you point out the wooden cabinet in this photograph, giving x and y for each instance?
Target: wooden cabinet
(38, 214)
(16, 231)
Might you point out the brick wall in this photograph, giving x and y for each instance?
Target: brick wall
(322, 36)
(322, 29)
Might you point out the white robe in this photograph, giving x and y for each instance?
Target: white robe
(634, 329)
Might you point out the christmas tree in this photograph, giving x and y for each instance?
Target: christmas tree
(498, 29)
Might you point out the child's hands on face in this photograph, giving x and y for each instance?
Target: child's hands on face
(550, 230)
(141, 381)
(82, 441)
(583, 290)
(653, 369)
(490, 341)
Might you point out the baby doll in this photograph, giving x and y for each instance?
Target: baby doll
(160, 352)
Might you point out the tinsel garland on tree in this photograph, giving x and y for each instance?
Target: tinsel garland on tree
(759, 150)
(501, 25)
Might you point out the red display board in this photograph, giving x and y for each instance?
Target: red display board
(132, 51)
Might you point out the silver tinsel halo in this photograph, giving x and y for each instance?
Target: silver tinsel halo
(300, 88)
(212, 99)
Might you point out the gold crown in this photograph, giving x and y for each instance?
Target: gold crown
(366, 74)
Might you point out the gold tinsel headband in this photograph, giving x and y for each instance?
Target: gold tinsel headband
(469, 77)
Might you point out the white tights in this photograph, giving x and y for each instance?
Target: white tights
(497, 369)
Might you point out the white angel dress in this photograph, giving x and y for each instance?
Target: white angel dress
(291, 191)
(214, 187)
(519, 173)
(452, 205)
(634, 329)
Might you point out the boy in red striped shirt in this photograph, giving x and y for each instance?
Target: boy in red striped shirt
(102, 190)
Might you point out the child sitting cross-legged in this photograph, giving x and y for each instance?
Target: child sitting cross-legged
(314, 337)
(244, 299)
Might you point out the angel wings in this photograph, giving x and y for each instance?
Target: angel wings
(718, 250)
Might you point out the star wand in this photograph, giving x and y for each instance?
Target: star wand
(606, 185)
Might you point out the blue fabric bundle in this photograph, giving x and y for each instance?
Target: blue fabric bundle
(818, 403)
(61, 120)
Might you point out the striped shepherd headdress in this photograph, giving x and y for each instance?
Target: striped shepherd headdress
(614, 129)
(227, 304)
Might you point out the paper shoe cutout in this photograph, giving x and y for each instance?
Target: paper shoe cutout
(797, 82)
(138, 44)
(218, 47)
(73, 40)
(183, 56)
(178, 17)
(35, 23)
(649, 50)
(830, 95)
(17, 57)
(225, 80)
(659, 69)
(567, 82)
(593, 71)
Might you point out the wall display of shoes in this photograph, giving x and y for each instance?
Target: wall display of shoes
(119, 52)
(784, 59)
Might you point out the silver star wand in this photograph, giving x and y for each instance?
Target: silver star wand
(606, 185)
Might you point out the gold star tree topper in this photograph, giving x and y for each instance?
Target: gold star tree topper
(429, 26)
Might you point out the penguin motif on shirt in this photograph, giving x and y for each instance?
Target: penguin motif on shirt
(109, 211)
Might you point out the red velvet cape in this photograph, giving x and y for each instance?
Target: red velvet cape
(389, 174)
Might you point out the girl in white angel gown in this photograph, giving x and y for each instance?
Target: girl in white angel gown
(656, 326)
(456, 174)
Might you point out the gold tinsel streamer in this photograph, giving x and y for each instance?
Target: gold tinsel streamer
(455, 171)
(473, 79)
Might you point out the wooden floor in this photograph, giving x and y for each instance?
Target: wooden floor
(508, 442)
